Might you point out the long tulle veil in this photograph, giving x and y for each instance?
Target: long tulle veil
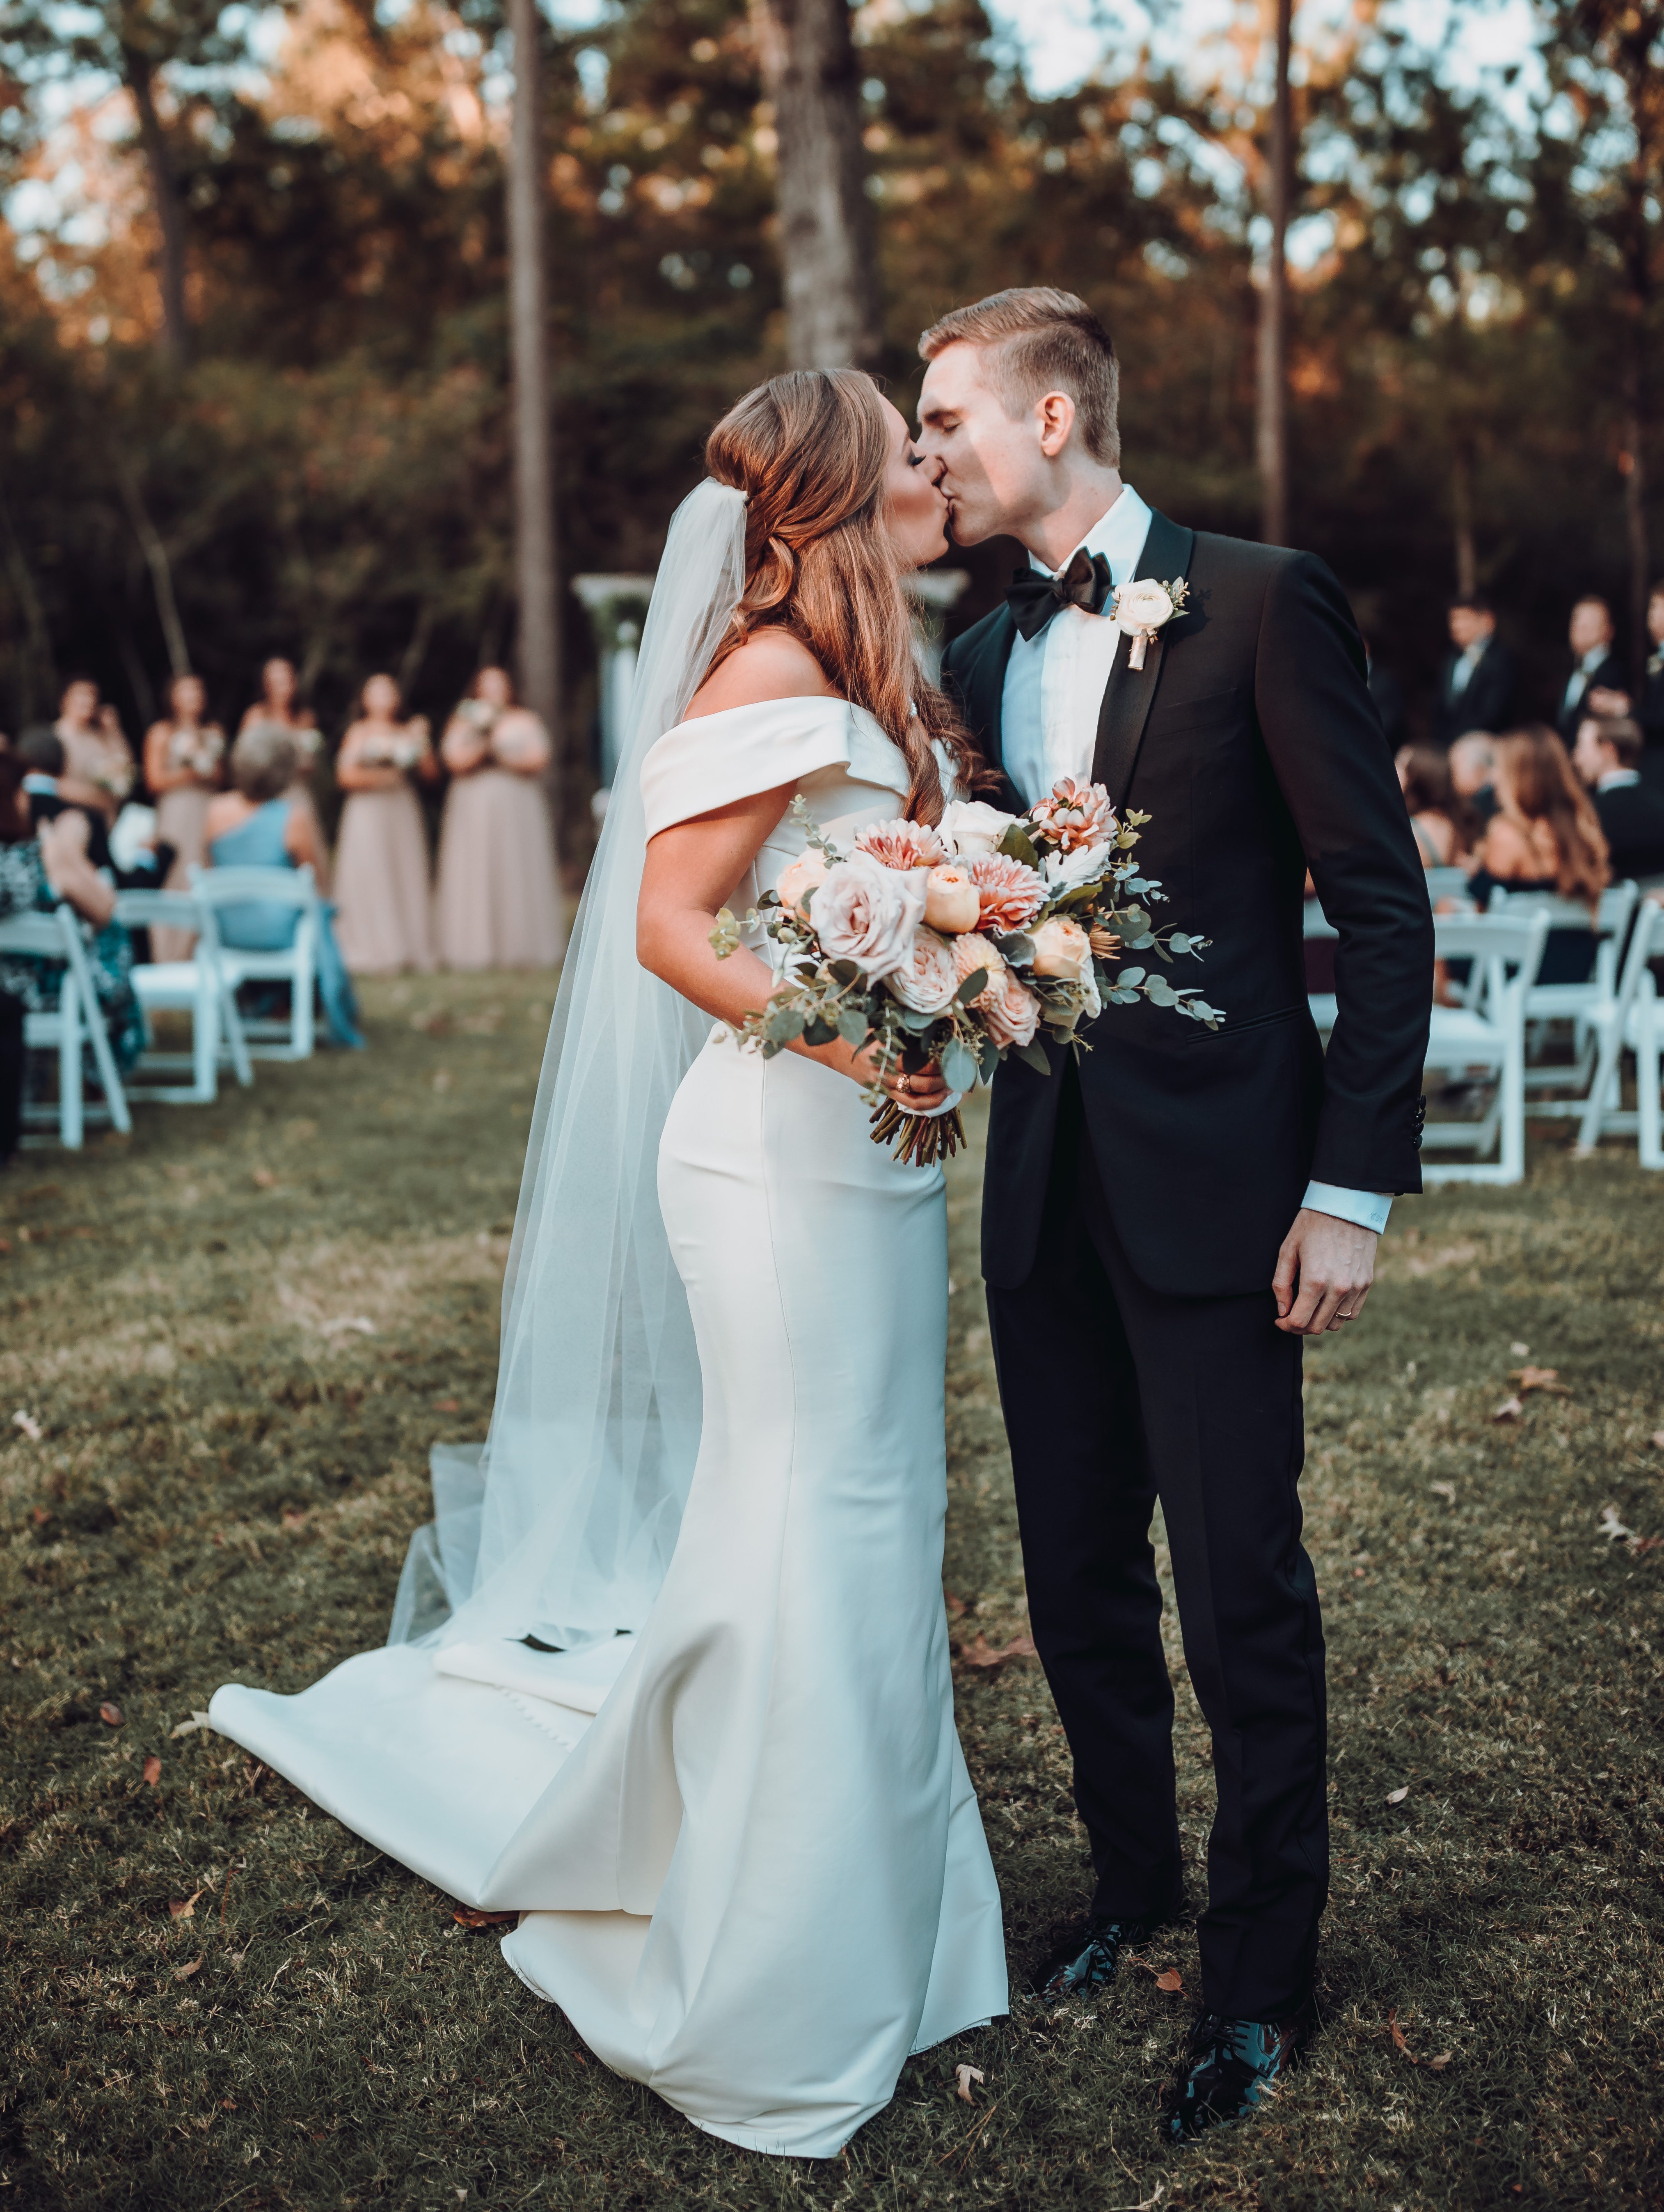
(561, 1526)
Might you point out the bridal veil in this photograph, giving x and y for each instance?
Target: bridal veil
(561, 1527)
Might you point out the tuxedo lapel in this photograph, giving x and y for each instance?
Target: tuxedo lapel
(983, 687)
(1130, 692)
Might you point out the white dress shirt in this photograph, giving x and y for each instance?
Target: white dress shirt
(1578, 682)
(1617, 779)
(1054, 688)
(1463, 674)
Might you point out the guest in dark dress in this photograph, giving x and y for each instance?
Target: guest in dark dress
(1545, 836)
(1597, 684)
(1477, 682)
(1608, 759)
(1445, 826)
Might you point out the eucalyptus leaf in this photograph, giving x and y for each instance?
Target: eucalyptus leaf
(958, 1067)
(1017, 847)
(1033, 1057)
(1129, 979)
(842, 972)
(976, 981)
(852, 1026)
(1179, 941)
(990, 1061)
(1160, 991)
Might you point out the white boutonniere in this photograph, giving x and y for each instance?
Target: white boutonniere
(1142, 608)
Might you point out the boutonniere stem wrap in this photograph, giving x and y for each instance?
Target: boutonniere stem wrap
(1141, 609)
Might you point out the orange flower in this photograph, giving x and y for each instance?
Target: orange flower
(1076, 815)
(1011, 893)
(902, 845)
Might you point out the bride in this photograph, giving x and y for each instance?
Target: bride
(668, 1673)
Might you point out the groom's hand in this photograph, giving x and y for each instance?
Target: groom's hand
(1324, 1271)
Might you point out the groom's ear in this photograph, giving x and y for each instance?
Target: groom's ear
(1054, 418)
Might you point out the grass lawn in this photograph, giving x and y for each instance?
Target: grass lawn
(237, 1337)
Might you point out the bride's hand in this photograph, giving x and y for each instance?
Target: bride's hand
(922, 1092)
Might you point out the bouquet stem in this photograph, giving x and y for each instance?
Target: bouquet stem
(925, 1139)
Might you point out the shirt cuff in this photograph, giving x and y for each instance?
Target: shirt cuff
(1368, 1208)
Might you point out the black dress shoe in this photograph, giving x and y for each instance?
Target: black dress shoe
(1085, 1962)
(1232, 2066)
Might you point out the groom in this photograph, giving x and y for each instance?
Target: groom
(1166, 1220)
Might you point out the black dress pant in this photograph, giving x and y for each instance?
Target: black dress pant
(1115, 1395)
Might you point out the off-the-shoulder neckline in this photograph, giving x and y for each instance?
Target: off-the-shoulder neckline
(802, 699)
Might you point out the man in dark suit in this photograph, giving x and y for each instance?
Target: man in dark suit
(1166, 1219)
(1597, 684)
(1477, 682)
(1607, 756)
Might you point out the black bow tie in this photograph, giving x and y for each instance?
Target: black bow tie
(1033, 599)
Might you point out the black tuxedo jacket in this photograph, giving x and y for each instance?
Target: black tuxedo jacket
(1610, 676)
(1632, 819)
(1487, 701)
(1250, 737)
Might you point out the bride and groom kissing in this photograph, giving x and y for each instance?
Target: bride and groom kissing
(752, 1880)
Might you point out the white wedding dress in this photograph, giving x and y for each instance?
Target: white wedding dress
(747, 1856)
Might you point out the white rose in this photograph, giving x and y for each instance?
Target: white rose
(870, 914)
(969, 827)
(929, 979)
(1062, 948)
(1143, 606)
(1066, 871)
(798, 877)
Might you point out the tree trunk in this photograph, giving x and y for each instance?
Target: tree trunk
(537, 585)
(1461, 513)
(834, 316)
(1634, 463)
(1273, 426)
(169, 207)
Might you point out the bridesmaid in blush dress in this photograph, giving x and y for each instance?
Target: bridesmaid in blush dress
(184, 765)
(499, 899)
(383, 895)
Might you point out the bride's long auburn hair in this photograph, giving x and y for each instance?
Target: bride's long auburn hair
(810, 451)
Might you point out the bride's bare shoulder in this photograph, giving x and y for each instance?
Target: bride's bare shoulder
(772, 664)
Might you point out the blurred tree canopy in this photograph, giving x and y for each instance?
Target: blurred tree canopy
(298, 403)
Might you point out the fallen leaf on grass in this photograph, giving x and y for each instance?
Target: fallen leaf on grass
(470, 1916)
(1172, 1981)
(1398, 1796)
(982, 1653)
(184, 1973)
(965, 2076)
(1539, 1378)
(447, 1405)
(264, 1179)
(1445, 1490)
(1433, 2065)
(28, 1424)
(153, 1770)
(1510, 1410)
(956, 1605)
(187, 1728)
(110, 1714)
(1656, 1440)
(182, 1908)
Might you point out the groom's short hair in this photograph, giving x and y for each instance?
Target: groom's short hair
(1040, 340)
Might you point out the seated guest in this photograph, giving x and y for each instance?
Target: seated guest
(260, 823)
(1545, 836)
(1443, 824)
(38, 869)
(98, 761)
(1596, 684)
(41, 752)
(1608, 759)
(1472, 762)
(1476, 684)
(1651, 716)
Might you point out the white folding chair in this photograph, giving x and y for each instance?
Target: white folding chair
(77, 1021)
(1633, 1023)
(197, 986)
(294, 963)
(1450, 884)
(1586, 1005)
(1486, 1036)
(1325, 1005)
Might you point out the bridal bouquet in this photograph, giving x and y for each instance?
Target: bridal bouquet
(404, 750)
(199, 750)
(960, 943)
